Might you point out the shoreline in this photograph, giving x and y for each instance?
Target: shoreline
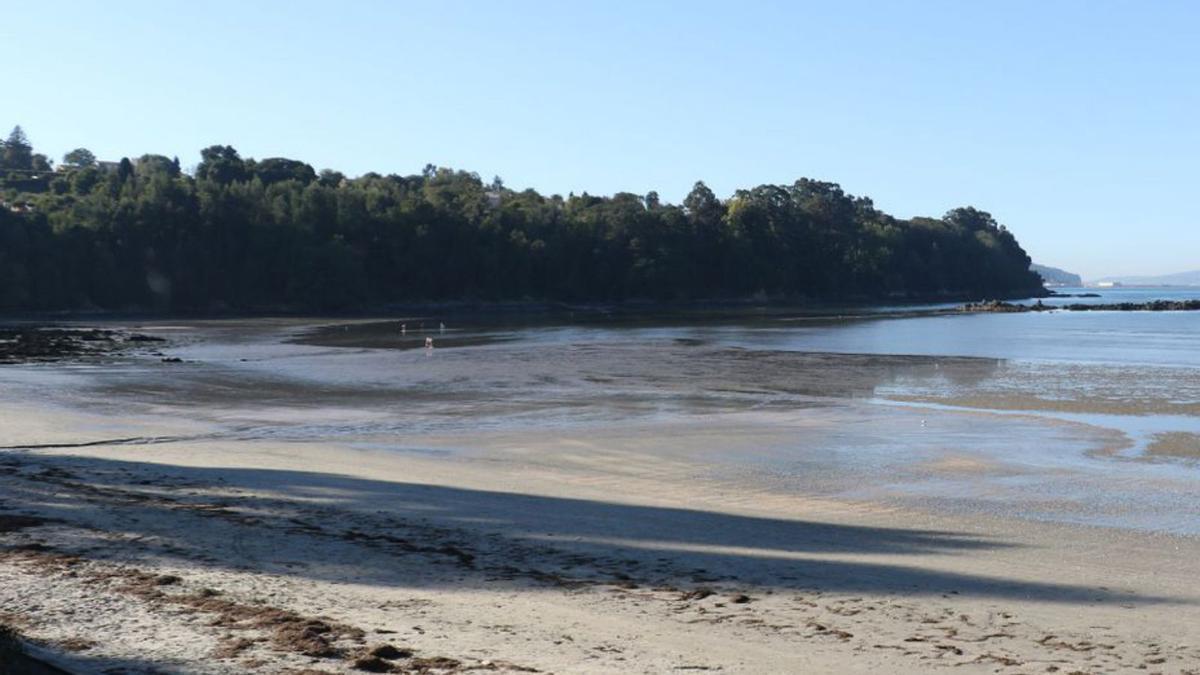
(535, 308)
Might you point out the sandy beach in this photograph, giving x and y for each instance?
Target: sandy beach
(185, 536)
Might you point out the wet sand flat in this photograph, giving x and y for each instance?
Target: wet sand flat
(1175, 444)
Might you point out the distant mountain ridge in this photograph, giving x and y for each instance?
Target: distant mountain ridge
(1056, 276)
(1191, 278)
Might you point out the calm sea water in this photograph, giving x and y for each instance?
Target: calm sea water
(1122, 294)
(1041, 383)
(1102, 337)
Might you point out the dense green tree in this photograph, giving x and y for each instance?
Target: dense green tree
(79, 158)
(274, 234)
(148, 166)
(124, 169)
(221, 164)
(277, 169)
(331, 178)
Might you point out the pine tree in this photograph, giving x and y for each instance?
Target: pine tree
(18, 153)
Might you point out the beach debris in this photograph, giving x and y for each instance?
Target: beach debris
(391, 652)
(231, 648)
(378, 659)
(76, 644)
(425, 664)
(372, 664)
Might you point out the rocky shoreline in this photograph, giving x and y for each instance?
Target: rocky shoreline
(34, 344)
(998, 306)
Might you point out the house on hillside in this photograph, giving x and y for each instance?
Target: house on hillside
(16, 207)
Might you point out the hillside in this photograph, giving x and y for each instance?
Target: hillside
(246, 234)
(1055, 276)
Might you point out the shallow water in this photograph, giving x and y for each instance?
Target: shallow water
(1041, 415)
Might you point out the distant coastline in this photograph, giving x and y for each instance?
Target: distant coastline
(1177, 280)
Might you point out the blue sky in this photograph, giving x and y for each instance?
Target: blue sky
(1077, 124)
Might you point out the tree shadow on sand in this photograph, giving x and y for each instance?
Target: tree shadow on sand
(345, 529)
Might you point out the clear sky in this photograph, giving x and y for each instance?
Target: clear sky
(1077, 124)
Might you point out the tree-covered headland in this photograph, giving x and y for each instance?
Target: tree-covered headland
(243, 234)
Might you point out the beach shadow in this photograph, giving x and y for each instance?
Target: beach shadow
(78, 663)
(338, 528)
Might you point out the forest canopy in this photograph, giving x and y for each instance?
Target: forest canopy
(243, 234)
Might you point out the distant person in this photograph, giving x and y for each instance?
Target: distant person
(428, 343)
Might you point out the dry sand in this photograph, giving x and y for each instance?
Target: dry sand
(571, 551)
